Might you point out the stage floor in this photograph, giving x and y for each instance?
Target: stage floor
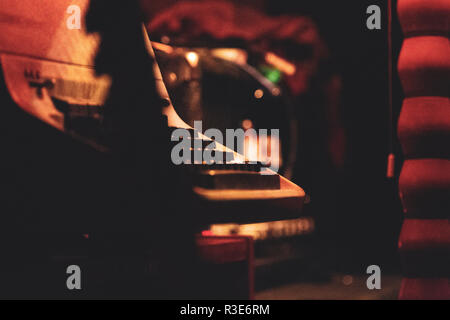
(340, 287)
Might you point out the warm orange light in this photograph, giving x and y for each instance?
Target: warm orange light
(231, 54)
(165, 39)
(281, 64)
(267, 230)
(247, 124)
(259, 94)
(263, 147)
(192, 58)
(347, 280)
(162, 47)
(173, 77)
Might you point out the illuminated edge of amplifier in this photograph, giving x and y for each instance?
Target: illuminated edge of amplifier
(266, 230)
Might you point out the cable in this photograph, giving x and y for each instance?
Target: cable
(391, 158)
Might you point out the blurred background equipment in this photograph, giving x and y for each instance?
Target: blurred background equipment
(255, 72)
(219, 87)
(223, 91)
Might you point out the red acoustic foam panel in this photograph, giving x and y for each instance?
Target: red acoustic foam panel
(424, 16)
(424, 188)
(424, 127)
(425, 248)
(424, 66)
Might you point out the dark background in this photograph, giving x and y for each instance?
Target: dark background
(368, 214)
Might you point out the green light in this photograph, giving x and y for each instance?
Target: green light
(273, 75)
